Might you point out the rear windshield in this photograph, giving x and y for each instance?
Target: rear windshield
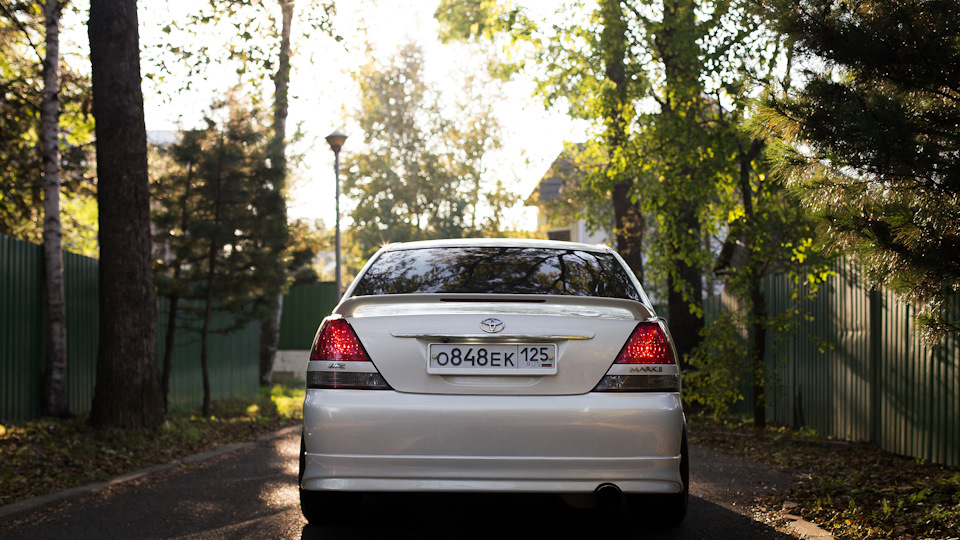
(509, 270)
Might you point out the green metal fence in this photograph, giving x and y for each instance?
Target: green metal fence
(233, 357)
(852, 367)
(81, 290)
(21, 328)
(303, 309)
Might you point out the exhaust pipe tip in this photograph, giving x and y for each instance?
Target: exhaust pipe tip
(607, 496)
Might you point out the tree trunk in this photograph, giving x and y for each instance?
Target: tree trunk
(628, 217)
(281, 83)
(631, 228)
(205, 332)
(170, 343)
(680, 117)
(171, 338)
(685, 323)
(269, 341)
(269, 325)
(211, 274)
(758, 318)
(127, 393)
(758, 303)
(55, 311)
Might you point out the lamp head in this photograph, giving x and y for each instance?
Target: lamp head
(336, 140)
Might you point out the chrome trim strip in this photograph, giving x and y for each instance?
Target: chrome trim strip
(494, 337)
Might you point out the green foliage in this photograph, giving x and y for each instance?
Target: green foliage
(283, 401)
(577, 199)
(668, 87)
(468, 19)
(719, 365)
(214, 199)
(423, 173)
(306, 242)
(852, 489)
(870, 140)
(21, 171)
(251, 37)
(663, 84)
(478, 21)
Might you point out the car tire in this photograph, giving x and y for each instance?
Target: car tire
(326, 507)
(330, 507)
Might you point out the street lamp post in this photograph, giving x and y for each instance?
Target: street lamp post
(336, 140)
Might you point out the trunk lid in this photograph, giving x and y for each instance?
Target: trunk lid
(582, 336)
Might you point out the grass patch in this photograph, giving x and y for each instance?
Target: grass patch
(852, 490)
(48, 455)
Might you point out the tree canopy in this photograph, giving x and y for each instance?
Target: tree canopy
(423, 173)
(657, 79)
(21, 182)
(216, 200)
(871, 139)
(213, 193)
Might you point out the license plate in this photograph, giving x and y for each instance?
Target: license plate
(487, 359)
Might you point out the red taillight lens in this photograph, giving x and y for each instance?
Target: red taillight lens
(647, 345)
(338, 342)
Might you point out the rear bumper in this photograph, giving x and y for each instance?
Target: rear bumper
(359, 440)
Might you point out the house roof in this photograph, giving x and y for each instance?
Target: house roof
(562, 168)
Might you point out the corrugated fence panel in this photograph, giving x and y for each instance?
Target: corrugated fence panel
(186, 388)
(21, 329)
(81, 290)
(780, 351)
(850, 365)
(919, 388)
(234, 357)
(303, 309)
(850, 359)
(232, 360)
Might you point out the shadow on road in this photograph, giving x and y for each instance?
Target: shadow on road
(528, 516)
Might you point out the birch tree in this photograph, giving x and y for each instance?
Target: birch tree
(55, 366)
(22, 60)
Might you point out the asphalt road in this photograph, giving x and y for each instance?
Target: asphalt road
(251, 493)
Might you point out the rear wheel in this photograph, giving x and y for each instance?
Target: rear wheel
(326, 507)
(330, 507)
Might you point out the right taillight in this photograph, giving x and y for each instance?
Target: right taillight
(646, 363)
(338, 360)
(648, 344)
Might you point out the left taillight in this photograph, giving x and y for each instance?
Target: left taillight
(646, 363)
(338, 360)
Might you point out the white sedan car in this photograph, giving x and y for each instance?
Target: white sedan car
(494, 366)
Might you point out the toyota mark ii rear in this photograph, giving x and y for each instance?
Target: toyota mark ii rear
(494, 366)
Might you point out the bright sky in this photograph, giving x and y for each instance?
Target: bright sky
(323, 94)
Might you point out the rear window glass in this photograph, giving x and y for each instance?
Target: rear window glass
(510, 270)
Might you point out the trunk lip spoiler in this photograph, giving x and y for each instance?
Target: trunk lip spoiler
(640, 311)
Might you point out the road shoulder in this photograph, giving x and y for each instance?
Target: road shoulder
(14, 510)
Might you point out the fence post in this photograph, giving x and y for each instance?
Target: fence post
(876, 353)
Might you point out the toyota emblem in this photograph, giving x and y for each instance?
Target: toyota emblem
(491, 325)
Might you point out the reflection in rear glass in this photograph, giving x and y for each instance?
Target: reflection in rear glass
(505, 270)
